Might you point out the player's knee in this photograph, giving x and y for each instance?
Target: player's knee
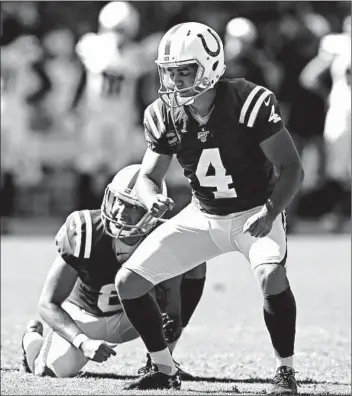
(131, 285)
(271, 278)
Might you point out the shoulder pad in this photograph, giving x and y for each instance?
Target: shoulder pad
(252, 98)
(74, 239)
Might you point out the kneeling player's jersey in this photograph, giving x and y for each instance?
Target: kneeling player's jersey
(83, 244)
(222, 159)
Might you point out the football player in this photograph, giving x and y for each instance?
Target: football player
(79, 300)
(113, 61)
(239, 158)
(334, 59)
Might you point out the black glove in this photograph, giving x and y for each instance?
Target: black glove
(172, 327)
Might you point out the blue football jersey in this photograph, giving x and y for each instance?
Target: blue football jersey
(222, 159)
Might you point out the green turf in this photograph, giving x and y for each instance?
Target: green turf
(226, 345)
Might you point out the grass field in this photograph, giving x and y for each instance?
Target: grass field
(226, 345)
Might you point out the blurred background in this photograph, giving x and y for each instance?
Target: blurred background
(73, 96)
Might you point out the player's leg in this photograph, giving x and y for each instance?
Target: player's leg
(191, 290)
(268, 258)
(58, 357)
(172, 249)
(119, 329)
(192, 287)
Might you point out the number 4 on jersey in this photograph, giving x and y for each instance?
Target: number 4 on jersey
(219, 180)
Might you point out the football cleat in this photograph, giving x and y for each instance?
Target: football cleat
(154, 379)
(148, 366)
(284, 382)
(33, 326)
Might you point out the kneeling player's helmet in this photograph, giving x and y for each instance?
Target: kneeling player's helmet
(122, 213)
(189, 44)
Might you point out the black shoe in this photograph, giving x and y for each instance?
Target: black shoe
(148, 366)
(154, 379)
(33, 326)
(284, 382)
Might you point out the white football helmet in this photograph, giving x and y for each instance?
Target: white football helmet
(123, 215)
(189, 44)
(120, 17)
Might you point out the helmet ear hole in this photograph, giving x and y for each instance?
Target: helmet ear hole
(215, 65)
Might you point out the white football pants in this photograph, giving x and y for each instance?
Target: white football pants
(192, 237)
(61, 357)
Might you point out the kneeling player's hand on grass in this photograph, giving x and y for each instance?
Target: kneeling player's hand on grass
(97, 350)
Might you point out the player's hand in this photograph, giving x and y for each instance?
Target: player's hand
(172, 328)
(160, 205)
(97, 350)
(259, 225)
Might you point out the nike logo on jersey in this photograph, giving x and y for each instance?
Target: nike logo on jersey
(273, 116)
(253, 104)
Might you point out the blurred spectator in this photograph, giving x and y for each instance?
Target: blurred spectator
(63, 70)
(243, 57)
(334, 57)
(57, 112)
(300, 34)
(111, 135)
(19, 146)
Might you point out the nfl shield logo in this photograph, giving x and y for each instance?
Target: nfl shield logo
(203, 136)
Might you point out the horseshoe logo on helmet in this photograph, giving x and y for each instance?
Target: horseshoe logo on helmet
(211, 53)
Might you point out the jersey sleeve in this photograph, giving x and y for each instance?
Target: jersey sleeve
(74, 239)
(260, 112)
(160, 137)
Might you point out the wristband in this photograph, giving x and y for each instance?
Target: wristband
(78, 339)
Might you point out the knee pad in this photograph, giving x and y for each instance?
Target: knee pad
(271, 277)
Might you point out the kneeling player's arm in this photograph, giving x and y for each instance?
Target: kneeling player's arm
(281, 152)
(57, 287)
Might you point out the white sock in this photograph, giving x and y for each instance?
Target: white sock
(287, 361)
(32, 343)
(164, 361)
